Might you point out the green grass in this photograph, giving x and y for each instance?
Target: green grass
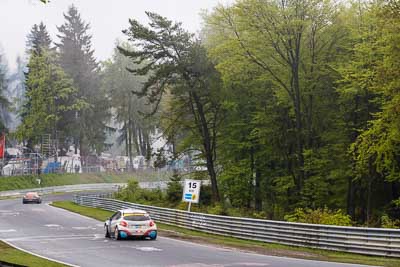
(12, 255)
(30, 181)
(254, 246)
(97, 214)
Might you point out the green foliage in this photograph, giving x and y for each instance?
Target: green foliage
(180, 73)
(259, 215)
(50, 96)
(133, 193)
(310, 105)
(205, 195)
(386, 222)
(217, 209)
(174, 189)
(319, 216)
(293, 106)
(279, 145)
(174, 192)
(377, 148)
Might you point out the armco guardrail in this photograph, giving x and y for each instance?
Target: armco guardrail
(83, 187)
(369, 241)
(65, 188)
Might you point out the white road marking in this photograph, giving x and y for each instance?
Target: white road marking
(38, 209)
(81, 228)
(196, 265)
(8, 231)
(49, 238)
(148, 249)
(251, 264)
(52, 225)
(224, 249)
(9, 213)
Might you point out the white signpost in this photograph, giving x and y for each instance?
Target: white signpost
(191, 192)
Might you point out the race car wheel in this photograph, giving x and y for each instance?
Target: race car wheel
(117, 236)
(107, 235)
(153, 235)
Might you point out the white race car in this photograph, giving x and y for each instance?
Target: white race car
(130, 223)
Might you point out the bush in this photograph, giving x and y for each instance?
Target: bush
(387, 222)
(133, 193)
(182, 206)
(130, 192)
(205, 195)
(218, 209)
(259, 215)
(319, 216)
(174, 192)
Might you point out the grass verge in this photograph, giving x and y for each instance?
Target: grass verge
(245, 245)
(11, 255)
(30, 181)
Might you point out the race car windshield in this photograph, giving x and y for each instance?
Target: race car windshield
(136, 217)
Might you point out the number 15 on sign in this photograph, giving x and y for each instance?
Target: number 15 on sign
(191, 191)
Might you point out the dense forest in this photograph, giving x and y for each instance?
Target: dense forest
(292, 106)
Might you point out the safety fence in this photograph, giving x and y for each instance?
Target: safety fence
(84, 187)
(65, 189)
(25, 167)
(369, 241)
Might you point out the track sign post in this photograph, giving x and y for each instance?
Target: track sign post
(191, 192)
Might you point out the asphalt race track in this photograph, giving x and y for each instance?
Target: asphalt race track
(78, 240)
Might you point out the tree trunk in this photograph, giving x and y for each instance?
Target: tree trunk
(257, 191)
(207, 145)
(129, 131)
(252, 171)
(126, 139)
(130, 149)
(140, 141)
(350, 198)
(299, 128)
(82, 152)
(369, 190)
(76, 145)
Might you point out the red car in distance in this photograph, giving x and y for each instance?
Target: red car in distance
(31, 197)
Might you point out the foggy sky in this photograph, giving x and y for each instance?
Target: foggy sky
(106, 17)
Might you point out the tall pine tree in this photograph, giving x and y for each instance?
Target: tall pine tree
(38, 43)
(135, 129)
(50, 95)
(76, 58)
(38, 39)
